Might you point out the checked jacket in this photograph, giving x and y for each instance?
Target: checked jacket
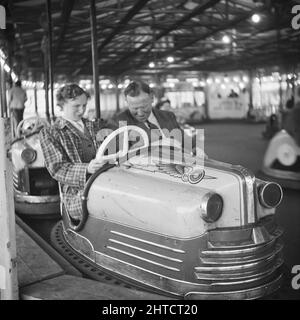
(62, 149)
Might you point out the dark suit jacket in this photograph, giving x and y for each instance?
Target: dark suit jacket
(291, 123)
(166, 120)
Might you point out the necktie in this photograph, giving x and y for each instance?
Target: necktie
(155, 131)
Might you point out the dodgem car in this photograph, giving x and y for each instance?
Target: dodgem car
(162, 220)
(35, 191)
(282, 161)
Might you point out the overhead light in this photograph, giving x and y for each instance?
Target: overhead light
(245, 79)
(226, 39)
(191, 79)
(173, 80)
(151, 65)
(104, 81)
(209, 81)
(6, 68)
(217, 80)
(151, 85)
(40, 85)
(120, 86)
(255, 18)
(170, 59)
(2, 55)
(14, 76)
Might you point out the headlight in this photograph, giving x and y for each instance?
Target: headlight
(270, 194)
(211, 207)
(28, 155)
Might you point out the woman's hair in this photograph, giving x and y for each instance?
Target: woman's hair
(69, 91)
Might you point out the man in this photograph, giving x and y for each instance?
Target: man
(291, 122)
(157, 123)
(16, 102)
(70, 146)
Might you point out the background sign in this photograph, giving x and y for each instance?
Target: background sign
(221, 108)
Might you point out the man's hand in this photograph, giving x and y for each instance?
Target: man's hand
(95, 165)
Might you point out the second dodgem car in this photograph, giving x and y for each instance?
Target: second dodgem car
(35, 191)
(169, 225)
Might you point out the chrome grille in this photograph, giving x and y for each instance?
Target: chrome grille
(240, 264)
(148, 254)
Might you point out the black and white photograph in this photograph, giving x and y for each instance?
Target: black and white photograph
(149, 153)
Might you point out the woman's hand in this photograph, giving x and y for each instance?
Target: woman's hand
(95, 165)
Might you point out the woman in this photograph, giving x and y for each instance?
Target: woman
(70, 146)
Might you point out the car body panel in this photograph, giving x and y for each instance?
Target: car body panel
(145, 225)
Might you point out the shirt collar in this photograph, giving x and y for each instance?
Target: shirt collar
(153, 119)
(61, 122)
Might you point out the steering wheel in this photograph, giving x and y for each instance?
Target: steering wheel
(100, 153)
(33, 124)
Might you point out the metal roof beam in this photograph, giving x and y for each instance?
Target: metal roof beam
(242, 55)
(67, 8)
(229, 25)
(132, 12)
(200, 9)
(241, 39)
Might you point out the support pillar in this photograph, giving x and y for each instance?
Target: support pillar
(50, 54)
(95, 57)
(8, 255)
(250, 90)
(2, 89)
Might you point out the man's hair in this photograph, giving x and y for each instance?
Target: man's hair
(18, 83)
(69, 91)
(135, 88)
